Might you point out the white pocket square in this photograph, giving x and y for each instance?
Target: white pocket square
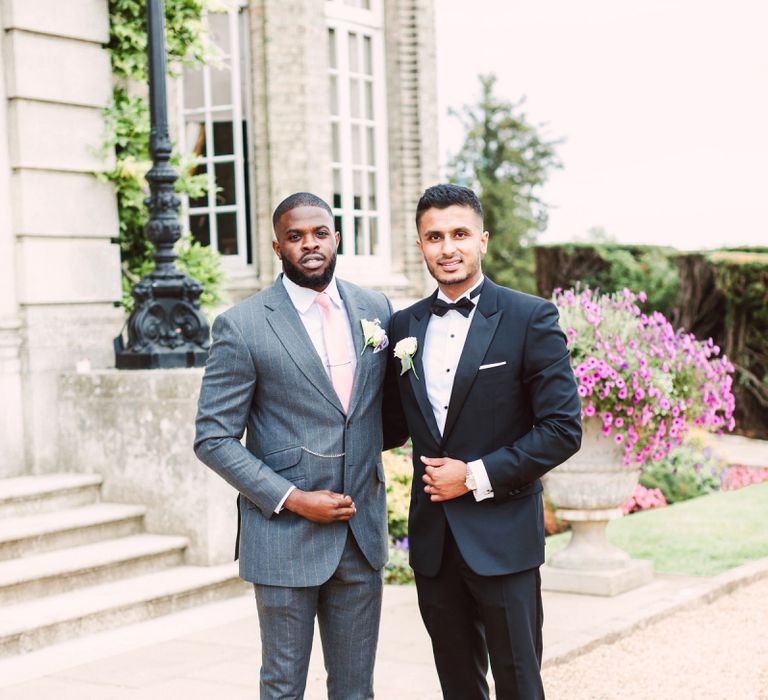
(493, 364)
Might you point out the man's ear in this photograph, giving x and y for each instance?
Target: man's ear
(484, 241)
(276, 248)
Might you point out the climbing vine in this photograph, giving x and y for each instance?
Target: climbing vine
(127, 136)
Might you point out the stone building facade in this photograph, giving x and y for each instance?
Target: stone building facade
(331, 96)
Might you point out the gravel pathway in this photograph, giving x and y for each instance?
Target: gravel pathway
(716, 651)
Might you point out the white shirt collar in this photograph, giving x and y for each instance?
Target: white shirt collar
(442, 296)
(304, 297)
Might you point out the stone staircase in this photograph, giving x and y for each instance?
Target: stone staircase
(71, 565)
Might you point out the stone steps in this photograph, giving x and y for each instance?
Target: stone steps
(64, 570)
(71, 566)
(23, 535)
(33, 624)
(45, 493)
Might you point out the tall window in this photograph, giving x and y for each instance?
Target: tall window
(213, 109)
(358, 124)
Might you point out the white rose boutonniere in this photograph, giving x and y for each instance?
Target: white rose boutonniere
(404, 351)
(373, 335)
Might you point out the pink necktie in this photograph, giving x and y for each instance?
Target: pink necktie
(335, 335)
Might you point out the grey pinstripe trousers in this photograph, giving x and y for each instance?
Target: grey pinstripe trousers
(348, 610)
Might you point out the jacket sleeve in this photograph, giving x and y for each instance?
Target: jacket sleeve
(226, 394)
(554, 403)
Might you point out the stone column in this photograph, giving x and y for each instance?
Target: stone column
(12, 457)
(67, 268)
(291, 135)
(412, 103)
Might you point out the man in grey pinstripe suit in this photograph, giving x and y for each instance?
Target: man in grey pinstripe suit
(313, 521)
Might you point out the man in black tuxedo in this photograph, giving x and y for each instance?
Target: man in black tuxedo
(490, 402)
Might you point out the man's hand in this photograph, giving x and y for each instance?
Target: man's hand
(320, 506)
(444, 478)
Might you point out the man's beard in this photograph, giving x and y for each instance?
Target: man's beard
(319, 280)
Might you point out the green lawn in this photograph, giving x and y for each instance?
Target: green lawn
(701, 537)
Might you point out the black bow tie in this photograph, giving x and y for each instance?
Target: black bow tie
(464, 306)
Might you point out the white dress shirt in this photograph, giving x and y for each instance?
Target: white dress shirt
(443, 345)
(311, 316)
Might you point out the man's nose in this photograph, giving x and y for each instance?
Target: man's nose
(448, 247)
(310, 242)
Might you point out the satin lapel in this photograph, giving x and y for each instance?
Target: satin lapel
(417, 327)
(290, 331)
(356, 311)
(481, 332)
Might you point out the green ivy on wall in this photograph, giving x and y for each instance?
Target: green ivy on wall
(127, 135)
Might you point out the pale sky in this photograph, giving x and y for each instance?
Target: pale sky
(663, 105)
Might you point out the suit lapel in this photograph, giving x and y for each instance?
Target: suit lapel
(481, 332)
(289, 329)
(417, 327)
(356, 311)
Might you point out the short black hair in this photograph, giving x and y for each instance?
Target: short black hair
(299, 199)
(444, 196)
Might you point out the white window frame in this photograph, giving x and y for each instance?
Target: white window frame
(343, 18)
(208, 110)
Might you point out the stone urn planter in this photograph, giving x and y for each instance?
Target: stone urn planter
(588, 491)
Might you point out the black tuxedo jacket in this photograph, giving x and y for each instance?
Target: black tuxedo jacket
(522, 418)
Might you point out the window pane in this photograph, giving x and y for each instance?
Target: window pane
(367, 56)
(227, 230)
(223, 138)
(202, 201)
(354, 64)
(373, 235)
(371, 146)
(372, 191)
(336, 189)
(195, 133)
(354, 98)
(334, 95)
(368, 100)
(357, 151)
(221, 86)
(218, 26)
(332, 48)
(359, 236)
(193, 89)
(225, 186)
(337, 224)
(198, 227)
(335, 143)
(357, 190)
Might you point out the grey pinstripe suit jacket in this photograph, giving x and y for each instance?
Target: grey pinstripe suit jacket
(264, 377)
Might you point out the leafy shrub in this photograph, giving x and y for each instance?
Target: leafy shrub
(397, 569)
(686, 472)
(399, 471)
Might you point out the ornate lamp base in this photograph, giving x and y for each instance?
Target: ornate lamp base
(166, 329)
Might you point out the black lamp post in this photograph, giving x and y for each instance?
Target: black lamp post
(166, 328)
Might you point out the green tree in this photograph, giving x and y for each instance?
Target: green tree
(505, 159)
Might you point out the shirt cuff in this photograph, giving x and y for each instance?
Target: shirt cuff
(285, 498)
(484, 489)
